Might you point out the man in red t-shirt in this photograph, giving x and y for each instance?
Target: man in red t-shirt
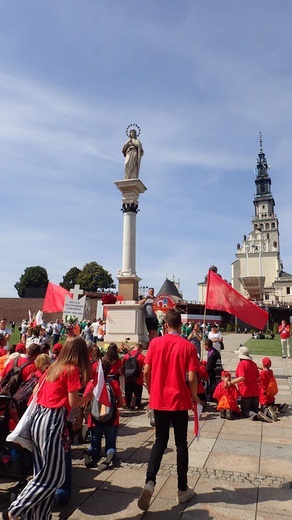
(284, 331)
(134, 386)
(169, 362)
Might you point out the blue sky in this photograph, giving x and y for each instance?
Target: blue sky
(201, 79)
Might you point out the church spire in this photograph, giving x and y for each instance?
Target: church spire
(263, 182)
(262, 165)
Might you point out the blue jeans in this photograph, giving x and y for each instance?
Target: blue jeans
(163, 421)
(110, 432)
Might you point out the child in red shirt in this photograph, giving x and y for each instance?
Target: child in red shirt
(227, 397)
(268, 390)
(98, 429)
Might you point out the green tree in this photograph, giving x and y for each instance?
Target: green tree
(94, 278)
(70, 278)
(35, 276)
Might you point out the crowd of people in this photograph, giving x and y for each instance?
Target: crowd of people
(68, 375)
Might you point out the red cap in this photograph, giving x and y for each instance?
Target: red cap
(58, 347)
(266, 362)
(20, 347)
(225, 373)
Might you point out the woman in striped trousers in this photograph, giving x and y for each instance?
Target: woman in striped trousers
(58, 394)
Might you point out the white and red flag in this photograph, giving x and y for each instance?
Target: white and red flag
(100, 391)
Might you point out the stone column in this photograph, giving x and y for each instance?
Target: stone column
(127, 276)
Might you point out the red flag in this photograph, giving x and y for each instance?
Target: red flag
(222, 297)
(55, 298)
(100, 391)
(197, 412)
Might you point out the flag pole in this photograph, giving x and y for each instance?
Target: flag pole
(204, 322)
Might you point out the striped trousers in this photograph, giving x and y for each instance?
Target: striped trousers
(36, 500)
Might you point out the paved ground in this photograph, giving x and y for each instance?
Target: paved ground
(241, 470)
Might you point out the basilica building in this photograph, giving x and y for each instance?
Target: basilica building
(257, 272)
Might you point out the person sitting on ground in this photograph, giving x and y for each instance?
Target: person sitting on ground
(261, 335)
(247, 380)
(99, 428)
(227, 397)
(112, 356)
(213, 359)
(268, 390)
(134, 385)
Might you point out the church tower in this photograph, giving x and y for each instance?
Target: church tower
(258, 265)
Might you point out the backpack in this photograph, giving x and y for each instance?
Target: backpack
(12, 380)
(131, 367)
(272, 388)
(101, 413)
(24, 392)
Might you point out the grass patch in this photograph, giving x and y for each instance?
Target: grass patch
(265, 347)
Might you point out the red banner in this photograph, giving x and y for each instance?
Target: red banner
(55, 298)
(222, 297)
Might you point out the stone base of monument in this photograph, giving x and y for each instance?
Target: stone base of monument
(125, 320)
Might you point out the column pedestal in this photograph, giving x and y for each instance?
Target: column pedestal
(125, 320)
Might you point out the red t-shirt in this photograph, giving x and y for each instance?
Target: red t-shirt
(265, 377)
(26, 371)
(171, 357)
(54, 394)
(249, 370)
(141, 361)
(230, 393)
(115, 367)
(284, 331)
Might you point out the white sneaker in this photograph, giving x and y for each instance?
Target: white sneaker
(272, 413)
(106, 462)
(263, 417)
(145, 497)
(184, 496)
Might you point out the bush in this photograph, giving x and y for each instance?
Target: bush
(229, 328)
(275, 328)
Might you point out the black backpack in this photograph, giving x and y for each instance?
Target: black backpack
(101, 413)
(12, 380)
(24, 392)
(131, 367)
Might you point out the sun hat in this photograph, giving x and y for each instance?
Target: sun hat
(243, 353)
(266, 362)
